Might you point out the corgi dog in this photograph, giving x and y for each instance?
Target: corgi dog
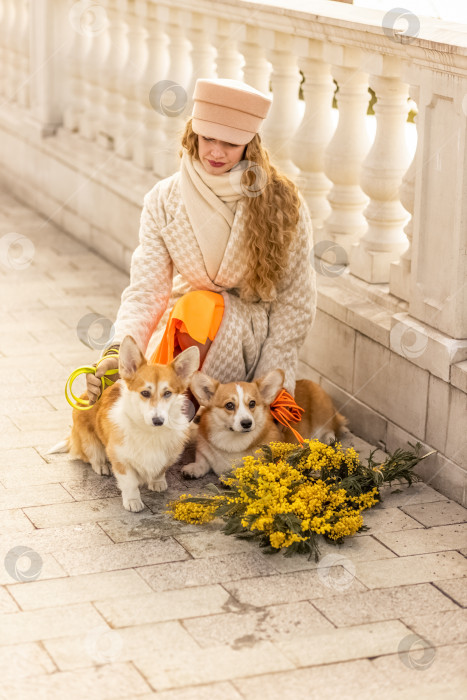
(140, 423)
(235, 419)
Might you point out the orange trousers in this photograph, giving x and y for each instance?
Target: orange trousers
(199, 314)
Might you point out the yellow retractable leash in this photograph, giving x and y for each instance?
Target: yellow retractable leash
(106, 380)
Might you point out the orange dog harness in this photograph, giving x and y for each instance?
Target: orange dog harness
(284, 409)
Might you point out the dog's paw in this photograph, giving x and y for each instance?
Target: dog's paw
(133, 504)
(329, 437)
(102, 469)
(193, 471)
(158, 484)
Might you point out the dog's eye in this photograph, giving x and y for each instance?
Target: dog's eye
(167, 394)
(146, 393)
(229, 406)
(252, 404)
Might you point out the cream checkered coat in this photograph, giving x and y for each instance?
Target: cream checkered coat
(253, 337)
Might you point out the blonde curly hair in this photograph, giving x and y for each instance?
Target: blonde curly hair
(271, 218)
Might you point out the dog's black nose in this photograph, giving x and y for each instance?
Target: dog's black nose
(246, 423)
(158, 421)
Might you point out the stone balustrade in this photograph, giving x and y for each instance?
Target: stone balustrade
(110, 81)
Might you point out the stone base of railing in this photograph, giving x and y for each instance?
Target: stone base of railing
(397, 380)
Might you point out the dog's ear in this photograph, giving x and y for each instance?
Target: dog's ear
(271, 384)
(130, 357)
(187, 362)
(203, 387)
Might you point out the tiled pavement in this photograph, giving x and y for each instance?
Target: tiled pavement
(138, 606)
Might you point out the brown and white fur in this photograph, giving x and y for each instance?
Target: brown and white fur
(235, 419)
(139, 423)
(320, 421)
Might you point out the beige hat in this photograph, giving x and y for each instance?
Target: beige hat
(229, 110)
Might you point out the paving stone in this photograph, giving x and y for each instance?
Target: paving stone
(109, 557)
(419, 568)
(140, 526)
(77, 512)
(14, 521)
(174, 669)
(199, 572)
(213, 691)
(210, 542)
(40, 474)
(167, 605)
(33, 438)
(456, 589)
(42, 420)
(57, 402)
(24, 660)
(435, 539)
(443, 667)
(47, 567)
(345, 643)
(356, 679)
(379, 519)
(100, 683)
(287, 588)
(39, 494)
(22, 457)
(102, 644)
(77, 589)
(7, 425)
(449, 627)
(48, 623)
(364, 548)
(52, 539)
(383, 604)
(440, 513)
(89, 485)
(20, 404)
(397, 496)
(245, 628)
(37, 367)
(7, 604)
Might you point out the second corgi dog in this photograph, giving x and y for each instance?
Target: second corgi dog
(235, 419)
(139, 423)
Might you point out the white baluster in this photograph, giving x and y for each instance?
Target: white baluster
(113, 100)
(315, 130)
(166, 161)
(229, 60)
(257, 69)
(438, 282)
(200, 30)
(22, 75)
(150, 138)
(382, 173)
(131, 77)
(90, 119)
(9, 54)
(344, 156)
(75, 80)
(399, 280)
(284, 114)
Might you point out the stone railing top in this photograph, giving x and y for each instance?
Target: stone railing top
(342, 23)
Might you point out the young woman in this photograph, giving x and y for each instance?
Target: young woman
(224, 255)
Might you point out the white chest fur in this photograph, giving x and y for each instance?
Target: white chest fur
(148, 449)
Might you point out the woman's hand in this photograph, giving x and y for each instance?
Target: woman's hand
(93, 381)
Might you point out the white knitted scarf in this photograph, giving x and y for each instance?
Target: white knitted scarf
(210, 201)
